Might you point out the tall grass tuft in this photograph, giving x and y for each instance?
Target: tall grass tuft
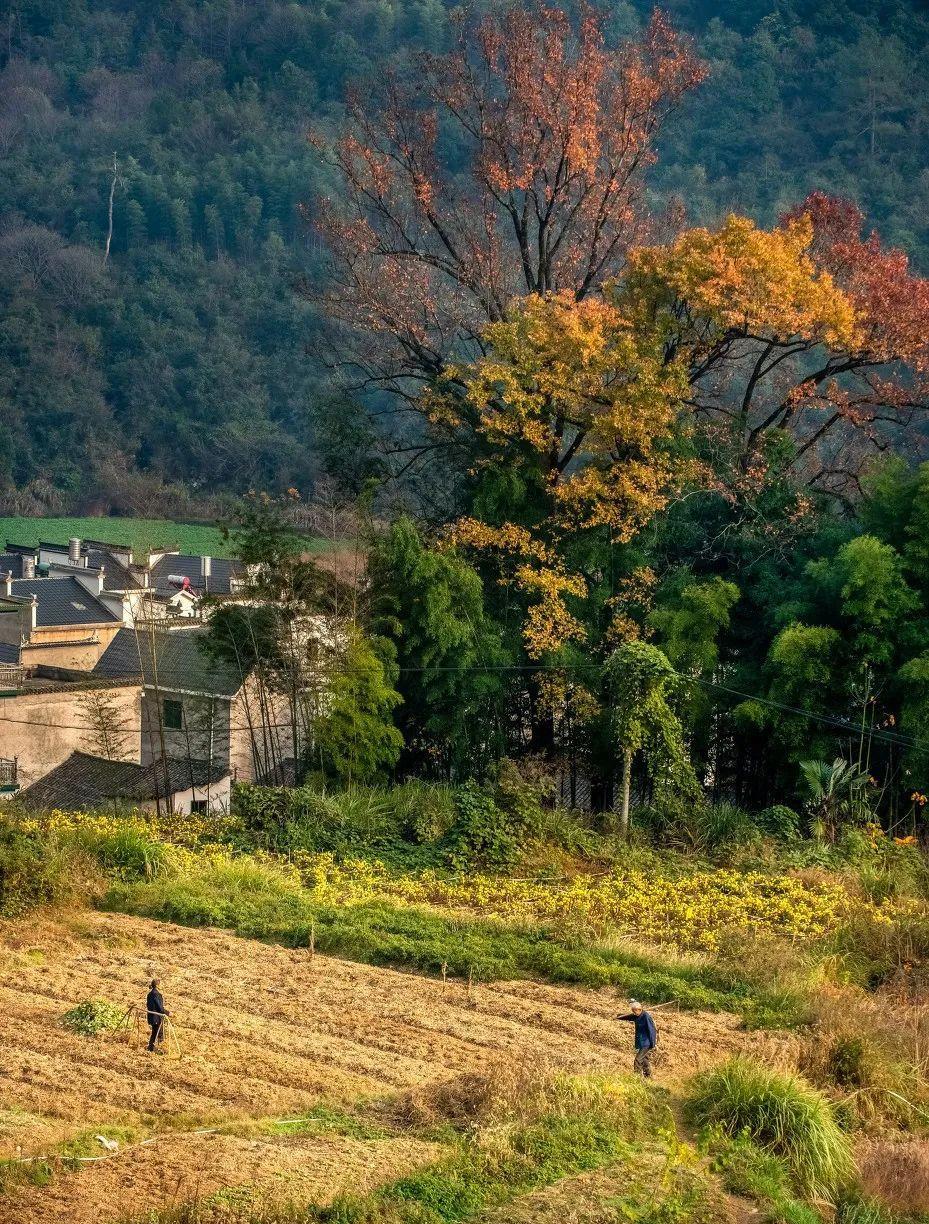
(782, 1114)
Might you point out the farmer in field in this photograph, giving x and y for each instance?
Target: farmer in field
(646, 1038)
(157, 1013)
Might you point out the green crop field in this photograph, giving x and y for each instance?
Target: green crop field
(142, 535)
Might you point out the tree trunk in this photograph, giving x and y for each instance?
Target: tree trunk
(109, 230)
(626, 787)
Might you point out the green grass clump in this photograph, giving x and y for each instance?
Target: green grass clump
(783, 1115)
(746, 1169)
(126, 851)
(93, 1017)
(39, 869)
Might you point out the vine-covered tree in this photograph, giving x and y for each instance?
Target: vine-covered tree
(642, 685)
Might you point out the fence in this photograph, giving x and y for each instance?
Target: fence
(10, 673)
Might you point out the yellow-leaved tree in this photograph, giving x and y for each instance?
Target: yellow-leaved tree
(583, 408)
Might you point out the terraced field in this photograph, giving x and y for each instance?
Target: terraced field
(264, 1033)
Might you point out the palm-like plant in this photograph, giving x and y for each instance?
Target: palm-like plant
(837, 794)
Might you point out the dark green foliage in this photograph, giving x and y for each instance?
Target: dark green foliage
(703, 828)
(430, 605)
(492, 828)
(779, 821)
(354, 738)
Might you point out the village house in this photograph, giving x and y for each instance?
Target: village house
(85, 620)
(46, 714)
(168, 586)
(61, 621)
(196, 706)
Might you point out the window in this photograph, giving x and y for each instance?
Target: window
(197, 805)
(173, 715)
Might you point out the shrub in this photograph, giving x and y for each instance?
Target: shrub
(521, 798)
(37, 869)
(783, 1115)
(93, 1017)
(483, 833)
(288, 818)
(780, 822)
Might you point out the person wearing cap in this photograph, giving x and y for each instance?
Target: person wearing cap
(646, 1038)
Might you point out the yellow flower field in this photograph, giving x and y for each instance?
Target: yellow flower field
(692, 910)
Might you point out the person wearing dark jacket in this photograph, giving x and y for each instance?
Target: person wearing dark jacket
(157, 1013)
(646, 1038)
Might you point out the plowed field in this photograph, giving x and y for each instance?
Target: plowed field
(264, 1032)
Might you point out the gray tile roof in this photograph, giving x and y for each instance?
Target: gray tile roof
(62, 601)
(116, 577)
(85, 781)
(218, 583)
(11, 563)
(178, 662)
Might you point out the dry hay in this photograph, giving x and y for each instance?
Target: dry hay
(270, 1032)
(896, 1173)
(190, 1167)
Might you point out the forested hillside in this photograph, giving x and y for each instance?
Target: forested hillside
(179, 356)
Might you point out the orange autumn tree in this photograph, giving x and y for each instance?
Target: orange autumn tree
(513, 166)
(805, 332)
(582, 408)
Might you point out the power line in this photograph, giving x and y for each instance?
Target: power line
(837, 723)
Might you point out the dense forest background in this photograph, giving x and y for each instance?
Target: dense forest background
(181, 360)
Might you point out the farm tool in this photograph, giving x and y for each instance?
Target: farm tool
(133, 1024)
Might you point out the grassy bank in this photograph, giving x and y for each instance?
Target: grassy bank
(506, 1135)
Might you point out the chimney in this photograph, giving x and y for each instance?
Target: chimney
(74, 550)
(206, 567)
(28, 567)
(7, 580)
(34, 611)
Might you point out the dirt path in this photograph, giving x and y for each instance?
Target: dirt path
(266, 1032)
